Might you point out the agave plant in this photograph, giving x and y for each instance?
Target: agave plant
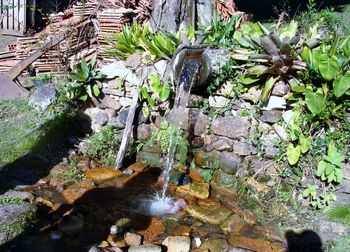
(138, 39)
(270, 56)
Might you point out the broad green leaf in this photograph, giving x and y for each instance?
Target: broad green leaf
(315, 101)
(248, 79)
(293, 154)
(305, 143)
(321, 168)
(164, 92)
(96, 90)
(268, 87)
(328, 66)
(84, 67)
(341, 84)
(258, 70)
(145, 111)
(339, 175)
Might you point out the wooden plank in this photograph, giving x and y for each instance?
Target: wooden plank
(5, 7)
(21, 16)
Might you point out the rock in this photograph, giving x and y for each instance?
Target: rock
(57, 170)
(125, 101)
(233, 127)
(138, 167)
(288, 116)
(255, 244)
(26, 196)
(133, 61)
(222, 144)
(119, 69)
(71, 225)
(214, 60)
(280, 89)
(143, 132)
(161, 67)
(139, 118)
(239, 250)
(177, 243)
(154, 229)
(249, 217)
(234, 224)
(209, 214)
(218, 101)
(327, 226)
(253, 94)
(75, 191)
(43, 97)
(153, 159)
(13, 215)
(223, 179)
(281, 132)
(146, 248)
(132, 239)
(257, 186)
(102, 174)
(200, 124)
(197, 142)
(198, 190)
(346, 171)
(215, 245)
(275, 102)
(244, 149)
(116, 241)
(229, 162)
(271, 116)
(268, 141)
(108, 102)
(116, 123)
(195, 100)
(207, 159)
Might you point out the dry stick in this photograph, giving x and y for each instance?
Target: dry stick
(126, 135)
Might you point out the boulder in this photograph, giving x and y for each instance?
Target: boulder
(43, 97)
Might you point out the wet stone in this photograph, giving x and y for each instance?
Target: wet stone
(234, 224)
(209, 214)
(102, 174)
(198, 190)
(255, 244)
(177, 243)
(207, 159)
(74, 192)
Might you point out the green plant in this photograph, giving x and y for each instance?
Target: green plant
(160, 92)
(271, 56)
(340, 214)
(330, 167)
(316, 200)
(42, 76)
(84, 83)
(11, 201)
(18, 227)
(163, 138)
(102, 145)
(219, 34)
(138, 39)
(73, 173)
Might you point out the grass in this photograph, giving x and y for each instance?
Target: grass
(17, 119)
(340, 214)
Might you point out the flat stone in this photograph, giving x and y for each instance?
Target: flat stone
(214, 245)
(253, 94)
(222, 144)
(198, 190)
(233, 127)
(116, 123)
(139, 118)
(281, 132)
(271, 116)
(244, 149)
(280, 89)
(102, 174)
(144, 131)
(125, 101)
(132, 239)
(177, 243)
(109, 102)
(234, 224)
(43, 97)
(200, 125)
(133, 61)
(255, 244)
(288, 116)
(205, 159)
(146, 248)
(218, 101)
(75, 191)
(119, 69)
(275, 102)
(209, 214)
(161, 67)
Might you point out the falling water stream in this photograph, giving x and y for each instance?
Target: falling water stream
(162, 204)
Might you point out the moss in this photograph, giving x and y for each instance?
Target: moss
(19, 227)
(340, 214)
(15, 201)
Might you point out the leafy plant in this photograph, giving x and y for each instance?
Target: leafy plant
(330, 167)
(160, 92)
(11, 201)
(270, 56)
(102, 145)
(138, 39)
(84, 83)
(318, 201)
(73, 172)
